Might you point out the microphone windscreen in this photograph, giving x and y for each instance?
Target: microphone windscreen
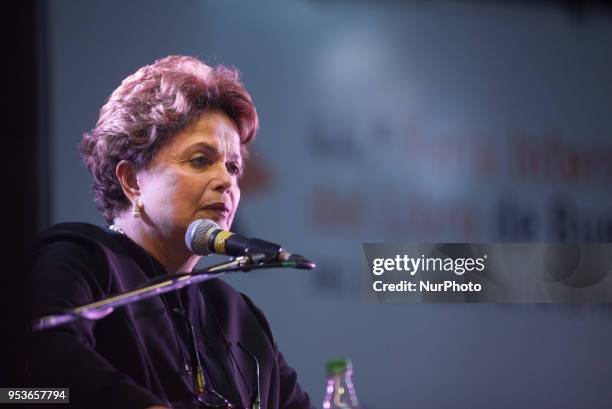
(198, 235)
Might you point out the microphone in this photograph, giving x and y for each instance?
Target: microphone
(205, 237)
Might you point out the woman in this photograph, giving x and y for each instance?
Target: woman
(169, 148)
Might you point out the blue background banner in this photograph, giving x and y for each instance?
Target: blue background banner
(385, 122)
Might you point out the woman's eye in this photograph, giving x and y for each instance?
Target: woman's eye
(198, 161)
(233, 169)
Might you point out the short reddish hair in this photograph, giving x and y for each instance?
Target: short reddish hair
(149, 108)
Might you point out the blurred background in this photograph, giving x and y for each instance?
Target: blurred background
(381, 121)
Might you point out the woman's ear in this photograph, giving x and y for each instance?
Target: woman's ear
(126, 174)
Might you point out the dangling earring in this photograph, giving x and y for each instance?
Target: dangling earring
(136, 210)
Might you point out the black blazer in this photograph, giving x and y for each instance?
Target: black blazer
(141, 354)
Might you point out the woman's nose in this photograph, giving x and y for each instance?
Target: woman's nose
(222, 179)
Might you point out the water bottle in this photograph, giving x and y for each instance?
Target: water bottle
(340, 393)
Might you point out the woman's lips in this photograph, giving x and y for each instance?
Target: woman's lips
(217, 207)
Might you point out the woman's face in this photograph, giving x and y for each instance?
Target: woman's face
(195, 176)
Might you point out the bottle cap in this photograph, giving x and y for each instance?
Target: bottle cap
(338, 366)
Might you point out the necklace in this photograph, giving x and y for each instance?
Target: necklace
(165, 300)
(116, 229)
(181, 310)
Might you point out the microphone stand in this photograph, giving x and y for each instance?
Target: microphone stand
(102, 308)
